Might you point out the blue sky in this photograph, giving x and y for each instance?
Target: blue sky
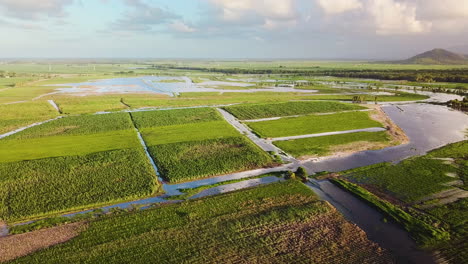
(325, 29)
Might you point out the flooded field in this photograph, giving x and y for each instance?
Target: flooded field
(428, 127)
(162, 85)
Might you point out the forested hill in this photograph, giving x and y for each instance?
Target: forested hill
(436, 56)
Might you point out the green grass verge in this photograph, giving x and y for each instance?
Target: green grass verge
(322, 146)
(40, 187)
(66, 145)
(311, 124)
(257, 111)
(422, 232)
(185, 161)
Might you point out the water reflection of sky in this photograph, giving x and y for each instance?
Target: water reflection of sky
(428, 127)
(157, 84)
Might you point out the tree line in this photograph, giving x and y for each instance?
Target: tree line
(448, 75)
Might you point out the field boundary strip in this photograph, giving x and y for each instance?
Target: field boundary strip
(28, 126)
(145, 148)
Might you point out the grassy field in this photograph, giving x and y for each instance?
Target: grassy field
(423, 233)
(14, 116)
(174, 117)
(276, 223)
(409, 180)
(39, 187)
(188, 132)
(311, 124)
(257, 111)
(322, 146)
(418, 177)
(187, 144)
(214, 98)
(183, 161)
(66, 145)
(22, 89)
(89, 104)
(456, 215)
(78, 125)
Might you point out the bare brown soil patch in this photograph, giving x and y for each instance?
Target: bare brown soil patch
(327, 238)
(348, 149)
(397, 134)
(12, 247)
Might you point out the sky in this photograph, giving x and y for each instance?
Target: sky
(301, 29)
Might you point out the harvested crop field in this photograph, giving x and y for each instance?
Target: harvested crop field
(276, 223)
(16, 246)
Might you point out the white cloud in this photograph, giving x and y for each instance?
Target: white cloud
(270, 14)
(332, 7)
(141, 16)
(442, 9)
(34, 9)
(392, 17)
(278, 24)
(180, 26)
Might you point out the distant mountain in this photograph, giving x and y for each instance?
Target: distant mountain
(436, 56)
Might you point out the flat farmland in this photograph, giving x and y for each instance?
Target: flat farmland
(185, 161)
(40, 187)
(427, 177)
(188, 144)
(326, 145)
(70, 136)
(277, 223)
(72, 163)
(146, 119)
(79, 125)
(188, 132)
(311, 124)
(89, 104)
(56, 146)
(257, 111)
(14, 116)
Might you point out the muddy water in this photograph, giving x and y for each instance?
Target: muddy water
(388, 235)
(427, 126)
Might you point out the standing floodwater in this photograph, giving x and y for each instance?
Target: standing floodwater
(427, 126)
(388, 235)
